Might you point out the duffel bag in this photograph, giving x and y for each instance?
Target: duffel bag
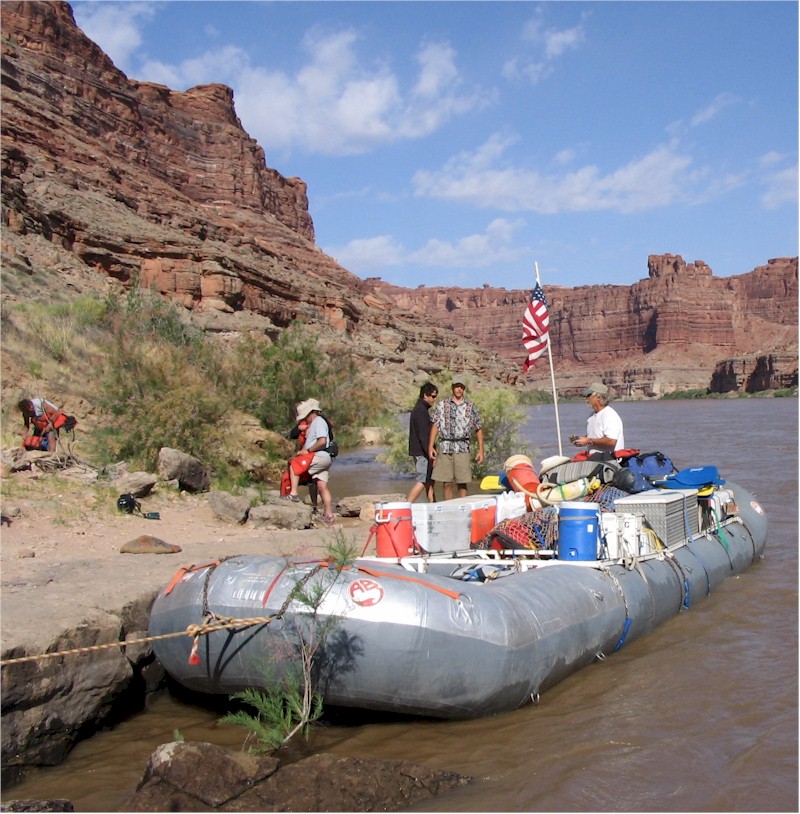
(646, 468)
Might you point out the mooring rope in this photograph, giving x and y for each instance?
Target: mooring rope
(193, 631)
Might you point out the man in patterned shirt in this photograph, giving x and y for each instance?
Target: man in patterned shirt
(453, 420)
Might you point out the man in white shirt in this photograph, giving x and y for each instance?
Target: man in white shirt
(604, 431)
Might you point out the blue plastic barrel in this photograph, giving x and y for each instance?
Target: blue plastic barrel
(578, 531)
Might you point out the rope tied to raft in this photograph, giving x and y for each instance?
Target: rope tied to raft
(210, 624)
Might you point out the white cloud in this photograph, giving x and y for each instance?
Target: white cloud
(218, 65)
(781, 188)
(680, 127)
(334, 103)
(472, 251)
(548, 45)
(566, 156)
(771, 158)
(115, 27)
(483, 179)
(716, 106)
(367, 257)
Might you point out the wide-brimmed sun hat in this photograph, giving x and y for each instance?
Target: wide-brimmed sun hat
(306, 407)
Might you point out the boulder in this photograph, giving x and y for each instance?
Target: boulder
(48, 705)
(38, 805)
(138, 484)
(363, 506)
(16, 459)
(281, 515)
(183, 768)
(372, 436)
(190, 473)
(177, 779)
(229, 507)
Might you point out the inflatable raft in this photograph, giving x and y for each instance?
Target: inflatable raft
(461, 633)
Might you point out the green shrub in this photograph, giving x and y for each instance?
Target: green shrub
(692, 393)
(270, 380)
(502, 418)
(157, 396)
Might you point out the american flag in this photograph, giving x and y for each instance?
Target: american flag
(535, 326)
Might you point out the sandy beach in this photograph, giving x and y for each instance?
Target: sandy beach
(62, 566)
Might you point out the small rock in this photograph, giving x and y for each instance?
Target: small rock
(147, 544)
(26, 553)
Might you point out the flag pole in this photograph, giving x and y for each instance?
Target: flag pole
(552, 371)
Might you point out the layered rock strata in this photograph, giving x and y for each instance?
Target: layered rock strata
(106, 178)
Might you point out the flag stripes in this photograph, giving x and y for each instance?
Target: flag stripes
(535, 327)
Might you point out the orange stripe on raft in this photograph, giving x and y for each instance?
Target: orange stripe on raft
(374, 573)
(185, 570)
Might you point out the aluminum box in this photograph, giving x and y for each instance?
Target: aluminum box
(671, 513)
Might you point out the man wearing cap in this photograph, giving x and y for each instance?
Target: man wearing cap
(317, 439)
(604, 426)
(453, 420)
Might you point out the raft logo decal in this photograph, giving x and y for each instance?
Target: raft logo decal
(754, 505)
(366, 592)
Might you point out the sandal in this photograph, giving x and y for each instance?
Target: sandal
(327, 519)
(293, 498)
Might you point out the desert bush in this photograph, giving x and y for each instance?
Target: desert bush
(271, 379)
(154, 396)
(159, 386)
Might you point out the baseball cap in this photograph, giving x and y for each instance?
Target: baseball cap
(596, 388)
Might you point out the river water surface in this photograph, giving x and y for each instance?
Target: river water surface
(701, 715)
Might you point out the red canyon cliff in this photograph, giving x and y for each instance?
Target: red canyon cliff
(105, 177)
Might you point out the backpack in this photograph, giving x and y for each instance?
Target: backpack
(333, 448)
(646, 467)
(130, 505)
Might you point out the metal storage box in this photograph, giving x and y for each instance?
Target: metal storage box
(444, 526)
(671, 513)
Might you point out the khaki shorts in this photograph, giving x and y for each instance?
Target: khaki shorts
(320, 466)
(454, 467)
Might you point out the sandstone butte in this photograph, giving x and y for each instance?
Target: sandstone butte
(107, 178)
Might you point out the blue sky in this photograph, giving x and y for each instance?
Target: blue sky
(456, 143)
